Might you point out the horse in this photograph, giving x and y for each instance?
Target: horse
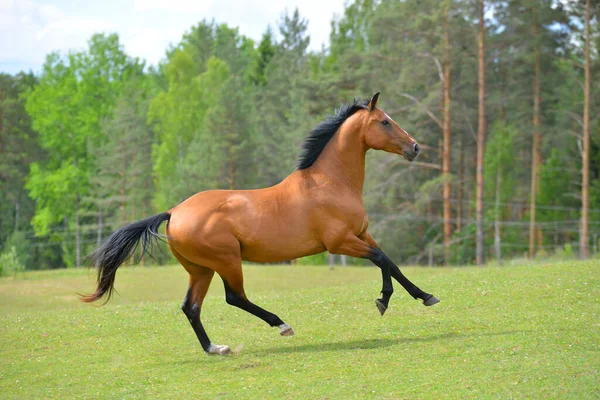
(317, 208)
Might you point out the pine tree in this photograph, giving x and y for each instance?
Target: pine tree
(480, 254)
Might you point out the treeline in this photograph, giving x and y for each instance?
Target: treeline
(98, 139)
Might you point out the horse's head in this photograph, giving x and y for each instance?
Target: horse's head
(382, 133)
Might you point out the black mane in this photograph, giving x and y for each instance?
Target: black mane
(318, 138)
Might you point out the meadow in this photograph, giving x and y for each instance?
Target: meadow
(525, 331)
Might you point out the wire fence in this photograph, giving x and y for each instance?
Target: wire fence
(558, 233)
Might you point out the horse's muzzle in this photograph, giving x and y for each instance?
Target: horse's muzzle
(411, 151)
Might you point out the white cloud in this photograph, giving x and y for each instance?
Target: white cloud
(30, 29)
(187, 6)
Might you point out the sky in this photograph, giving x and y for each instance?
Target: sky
(30, 29)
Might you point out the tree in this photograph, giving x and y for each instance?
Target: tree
(122, 187)
(176, 115)
(585, 154)
(499, 176)
(18, 148)
(264, 54)
(446, 154)
(537, 138)
(219, 103)
(186, 115)
(282, 115)
(480, 255)
(66, 107)
(228, 123)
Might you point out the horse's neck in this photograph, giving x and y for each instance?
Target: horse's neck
(343, 159)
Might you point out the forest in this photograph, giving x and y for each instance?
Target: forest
(501, 95)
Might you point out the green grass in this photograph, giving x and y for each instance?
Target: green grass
(514, 332)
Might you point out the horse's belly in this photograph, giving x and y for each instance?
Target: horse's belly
(280, 249)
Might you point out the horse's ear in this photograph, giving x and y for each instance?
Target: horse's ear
(373, 103)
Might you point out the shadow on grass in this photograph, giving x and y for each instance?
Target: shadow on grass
(366, 344)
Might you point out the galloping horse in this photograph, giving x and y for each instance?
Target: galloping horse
(317, 208)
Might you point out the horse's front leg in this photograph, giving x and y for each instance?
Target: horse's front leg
(354, 246)
(383, 262)
(379, 258)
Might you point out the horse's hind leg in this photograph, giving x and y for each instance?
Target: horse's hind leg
(192, 305)
(235, 295)
(200, 278)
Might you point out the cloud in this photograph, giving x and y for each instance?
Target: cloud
(30, 29)
(186, 6)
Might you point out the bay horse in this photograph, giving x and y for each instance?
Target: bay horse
(319, 207)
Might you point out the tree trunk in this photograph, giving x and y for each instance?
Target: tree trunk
(77, 228)
(233, 173)
(585, 177)
(99, 228)
(461, 186)
(472, 190)
(446, 150)
(1, 120)
(124, 183)
(497, 244)
(537, 138)
(479, 254)
(430, 257)
(17, 212)
(77, 233)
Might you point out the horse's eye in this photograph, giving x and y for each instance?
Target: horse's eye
(385, 122)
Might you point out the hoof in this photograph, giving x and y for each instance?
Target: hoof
(218, 349)
(380, 306)
(286, 330)
(431, 301)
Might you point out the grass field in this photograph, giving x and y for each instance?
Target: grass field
(514, 332)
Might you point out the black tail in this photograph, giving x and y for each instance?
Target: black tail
(117, 248)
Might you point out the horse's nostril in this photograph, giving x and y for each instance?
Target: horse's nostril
(416, 148)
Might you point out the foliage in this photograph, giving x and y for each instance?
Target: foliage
(500, 161)
(19, 145)
(73, 95)
(97, 140)
(9, 262)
